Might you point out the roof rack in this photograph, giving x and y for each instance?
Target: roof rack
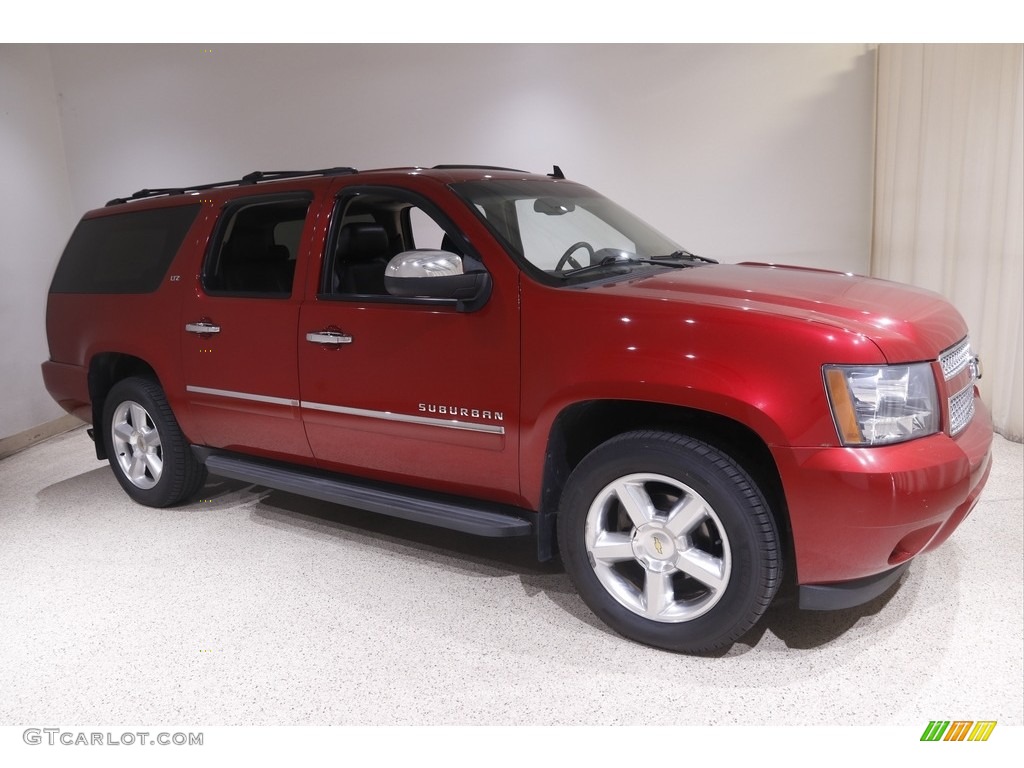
(256, 177)
(460, 166)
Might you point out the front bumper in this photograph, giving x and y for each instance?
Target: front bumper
(847, 594)
(857, 513)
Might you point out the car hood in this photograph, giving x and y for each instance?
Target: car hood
(906, 323)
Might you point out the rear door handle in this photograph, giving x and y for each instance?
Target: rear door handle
(328, 337)
(202, 328)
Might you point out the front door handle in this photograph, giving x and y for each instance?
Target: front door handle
(328, 337)
(203, 328)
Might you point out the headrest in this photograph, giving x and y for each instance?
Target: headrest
(362, 242)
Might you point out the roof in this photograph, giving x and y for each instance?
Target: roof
(261, 177)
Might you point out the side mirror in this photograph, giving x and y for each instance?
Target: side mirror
(429, 274)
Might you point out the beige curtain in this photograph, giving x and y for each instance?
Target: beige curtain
(949, 196)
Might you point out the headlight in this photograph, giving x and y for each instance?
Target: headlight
(877, 405)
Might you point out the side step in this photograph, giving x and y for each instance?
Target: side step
(480, 518)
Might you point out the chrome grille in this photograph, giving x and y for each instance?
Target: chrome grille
(955, 359)
(961, 409)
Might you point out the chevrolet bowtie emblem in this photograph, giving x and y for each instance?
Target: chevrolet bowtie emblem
(657, 544)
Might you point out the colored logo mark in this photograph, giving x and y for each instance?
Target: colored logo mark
(958, 730)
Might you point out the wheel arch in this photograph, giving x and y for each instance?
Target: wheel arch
(105, 370)
(581, 427)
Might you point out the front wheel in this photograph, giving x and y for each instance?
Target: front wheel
(669, 541)
(149, 455)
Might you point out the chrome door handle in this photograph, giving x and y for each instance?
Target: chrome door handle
(202, 328)
(328, 337)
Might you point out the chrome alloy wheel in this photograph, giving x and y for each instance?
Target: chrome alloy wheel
(137, 445)
(658, 547)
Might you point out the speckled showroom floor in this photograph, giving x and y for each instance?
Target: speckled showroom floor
(258, 607)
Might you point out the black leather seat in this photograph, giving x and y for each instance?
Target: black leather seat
(362, 255)
(448, 244)
(253, 263)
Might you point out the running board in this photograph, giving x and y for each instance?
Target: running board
(480, 518)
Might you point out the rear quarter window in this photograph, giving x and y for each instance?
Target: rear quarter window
(124, 253)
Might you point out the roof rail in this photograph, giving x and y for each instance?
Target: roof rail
(458, 166)
(256, 177)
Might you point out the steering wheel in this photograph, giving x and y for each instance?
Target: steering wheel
(568, 259)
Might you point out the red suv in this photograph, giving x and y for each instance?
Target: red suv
(509, 354)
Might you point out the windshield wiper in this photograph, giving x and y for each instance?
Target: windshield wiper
(684, 254)
(672, 260)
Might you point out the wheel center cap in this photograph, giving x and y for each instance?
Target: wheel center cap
(654, 547)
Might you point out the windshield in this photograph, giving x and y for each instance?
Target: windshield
(558, 227)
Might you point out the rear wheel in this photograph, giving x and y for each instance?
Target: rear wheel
(149, 455)
(669, 541)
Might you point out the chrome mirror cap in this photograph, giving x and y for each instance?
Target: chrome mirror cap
(424, 263)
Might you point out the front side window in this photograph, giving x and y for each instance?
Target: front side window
(256, 248)
(373, 226)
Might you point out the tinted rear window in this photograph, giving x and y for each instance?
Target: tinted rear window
(125, 253)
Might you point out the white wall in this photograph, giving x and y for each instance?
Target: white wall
(755, 152)
(35, 220)
(739, 152)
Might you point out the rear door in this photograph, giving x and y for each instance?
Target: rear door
(239, 327)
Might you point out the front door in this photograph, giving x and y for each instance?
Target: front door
(404, 390)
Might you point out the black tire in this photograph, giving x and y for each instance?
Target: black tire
(692, 581)
(150, 456)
